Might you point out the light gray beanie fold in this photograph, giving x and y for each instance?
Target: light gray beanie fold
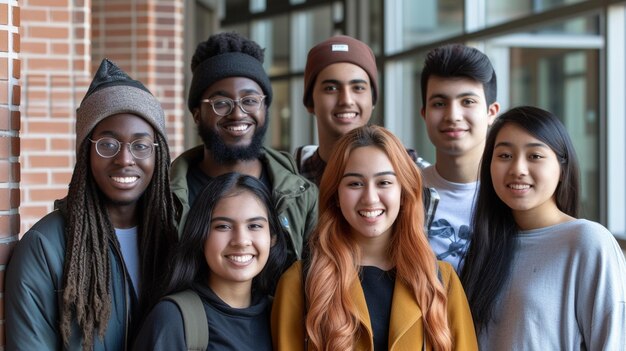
(114, 100)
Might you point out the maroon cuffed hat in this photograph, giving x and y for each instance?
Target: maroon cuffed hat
(340, 48)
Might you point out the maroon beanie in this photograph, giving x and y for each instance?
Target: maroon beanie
(340, 48)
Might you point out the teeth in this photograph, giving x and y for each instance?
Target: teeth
(371, 214)
(240, 128)
(346, 115)
(125, 180)
(519, 186)
(240, 259)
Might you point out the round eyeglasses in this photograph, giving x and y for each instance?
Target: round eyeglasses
(223, 106)
(109, 147)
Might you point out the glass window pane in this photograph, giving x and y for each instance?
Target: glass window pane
(273, 35)
(278, 133)
(501, 10)
(307, 29)
(419, 22)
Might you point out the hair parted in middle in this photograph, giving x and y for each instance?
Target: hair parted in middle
(188, 264)
(492, 250)
(331, 319)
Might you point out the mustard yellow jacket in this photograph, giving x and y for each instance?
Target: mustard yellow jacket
(405, 325)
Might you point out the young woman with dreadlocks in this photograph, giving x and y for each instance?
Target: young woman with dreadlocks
(83, 276)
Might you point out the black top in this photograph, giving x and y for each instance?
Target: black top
(197, 180)
(229, 328)
(378, 290)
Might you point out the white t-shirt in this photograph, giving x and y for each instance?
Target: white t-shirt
(130, 253)
(450, 231)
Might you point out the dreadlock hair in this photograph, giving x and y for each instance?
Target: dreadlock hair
(332, 318)
(90, 235)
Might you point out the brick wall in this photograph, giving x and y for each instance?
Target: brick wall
(9, 138)
(63, 42)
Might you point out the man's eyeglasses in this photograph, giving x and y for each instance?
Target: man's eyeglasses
(108, 147)
(224, 106)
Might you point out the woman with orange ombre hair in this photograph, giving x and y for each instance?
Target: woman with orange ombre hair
(371, 280)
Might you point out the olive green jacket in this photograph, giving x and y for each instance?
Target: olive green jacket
(294, 196)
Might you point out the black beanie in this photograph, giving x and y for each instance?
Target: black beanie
(226, 65)
(112, 92)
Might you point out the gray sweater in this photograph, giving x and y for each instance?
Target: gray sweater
(566, 291)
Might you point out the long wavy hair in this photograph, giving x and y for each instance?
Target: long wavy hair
(332, 321)
(188, 263)
(492, 248)
(90, 235)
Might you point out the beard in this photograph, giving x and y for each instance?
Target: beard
(225, 154)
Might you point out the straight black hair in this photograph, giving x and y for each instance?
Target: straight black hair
(492, 247)
(188, 264)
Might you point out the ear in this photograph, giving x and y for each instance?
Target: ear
(196, 115)
(423, 113)
(492, 112)
(310, 109)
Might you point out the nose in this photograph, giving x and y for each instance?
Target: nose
(369, 195)
(124, 157)
(519, 167)
(240, 237)
(237, 112)
(453, 112)
(345, 97)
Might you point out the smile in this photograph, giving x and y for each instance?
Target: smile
(240, 258)
(125, 180)
(346, 115)
(238, 128)
(519, 186)
(371, 214)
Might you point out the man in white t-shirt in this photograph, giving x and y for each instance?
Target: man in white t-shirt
(459, 104)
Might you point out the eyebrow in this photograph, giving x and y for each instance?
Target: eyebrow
(338, 82)
(510, 144)
(227, 219)
(359, 175)
(444, 96)
(242, 91)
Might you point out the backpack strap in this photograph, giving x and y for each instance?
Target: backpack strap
(194, 319)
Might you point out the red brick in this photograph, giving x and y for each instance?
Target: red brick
(48, 194)
(15, 120)
(52, 127)
(33, 211)
(48, 3)
(32, 177)
(49, 161)
(60, 48)
(59, 16)
(16, 42)
(15, 198)
(34, 15)
(5, 172)
(4, 68)
(16, 16)
(5, 253)
(2, 281)
(48, 32)
(16, 68)
(4, 93)
(4, 14)
(48, 64)
(30, 47)
(17, 95)
(4, 40)
(61, 177)
(61, 144)
(5, 118)
(9, 225)
(33, 144)
(5, 147)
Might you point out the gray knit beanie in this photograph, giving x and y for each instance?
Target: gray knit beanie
(112, 92)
